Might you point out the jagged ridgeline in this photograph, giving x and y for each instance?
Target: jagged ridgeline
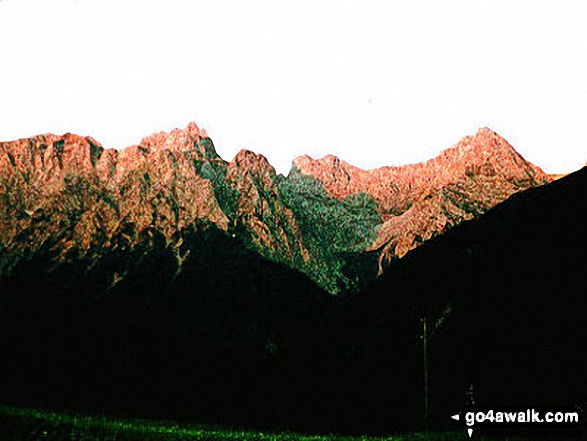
(338, 224)
(83, 201)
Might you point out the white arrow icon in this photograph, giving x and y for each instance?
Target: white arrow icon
(456, 417)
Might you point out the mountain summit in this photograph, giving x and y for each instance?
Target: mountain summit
(337, 223)
(395, 186)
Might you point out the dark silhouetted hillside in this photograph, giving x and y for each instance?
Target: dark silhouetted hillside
(513, 286)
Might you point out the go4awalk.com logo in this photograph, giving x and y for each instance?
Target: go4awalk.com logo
(538, 421)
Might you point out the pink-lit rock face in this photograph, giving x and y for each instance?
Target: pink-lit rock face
(421, 200)
(260, 209)
(87, 191)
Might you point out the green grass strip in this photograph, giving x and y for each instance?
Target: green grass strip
(31, 424)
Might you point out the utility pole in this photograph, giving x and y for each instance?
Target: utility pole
(428, 328)
(127, 366)
(426, 389)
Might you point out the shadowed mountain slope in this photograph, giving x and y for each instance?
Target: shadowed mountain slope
(204, 343)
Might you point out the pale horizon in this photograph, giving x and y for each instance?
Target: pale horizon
(386, 84)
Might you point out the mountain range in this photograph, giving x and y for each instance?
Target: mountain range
(338, 224)
(163, 281)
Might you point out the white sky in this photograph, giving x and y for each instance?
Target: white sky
(374, 82)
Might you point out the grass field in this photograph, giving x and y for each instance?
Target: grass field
(30, 424)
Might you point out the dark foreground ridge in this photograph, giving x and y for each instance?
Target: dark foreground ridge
(506, 293)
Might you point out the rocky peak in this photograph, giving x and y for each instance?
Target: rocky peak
(328, 163)
(254, 178)
(269, 225)
(486, 153)
(44, 160)
(248, 162)
(484, 141)
(482, 146)
(336, 175)
(190, 139)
